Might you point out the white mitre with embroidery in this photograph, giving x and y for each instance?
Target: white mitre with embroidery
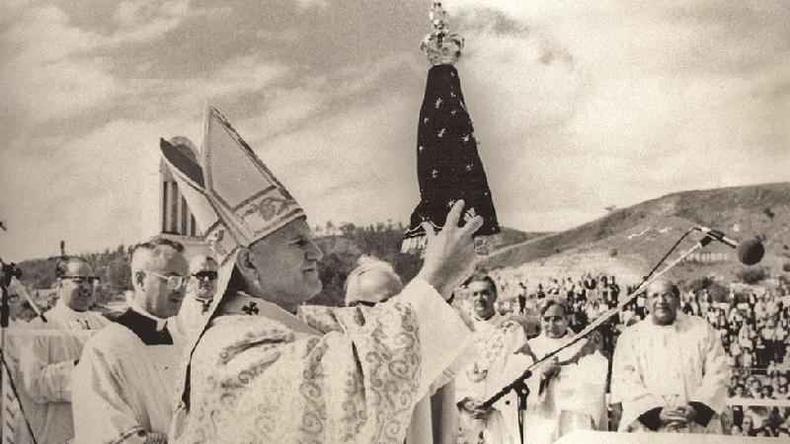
(235, 199)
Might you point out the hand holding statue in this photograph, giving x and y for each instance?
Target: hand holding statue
(450, 254)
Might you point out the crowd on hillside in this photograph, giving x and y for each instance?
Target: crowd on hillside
(754, 324)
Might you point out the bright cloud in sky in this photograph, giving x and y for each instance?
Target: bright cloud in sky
(576, 106)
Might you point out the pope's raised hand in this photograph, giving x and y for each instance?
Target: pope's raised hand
(450, 254)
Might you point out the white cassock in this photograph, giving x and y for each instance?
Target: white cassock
(576, 394)
(267, 377)
(48, 352)
(658, 366)
(493, 365)
(126, 381)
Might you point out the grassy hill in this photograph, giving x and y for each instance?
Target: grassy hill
(638, 236)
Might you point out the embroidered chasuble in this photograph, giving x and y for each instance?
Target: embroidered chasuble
(260, 375)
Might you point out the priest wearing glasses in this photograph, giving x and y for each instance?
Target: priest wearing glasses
(123, 387)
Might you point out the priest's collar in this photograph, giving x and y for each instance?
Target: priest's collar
(159, 322)
(62, 307)
(493, 318)
(149, 328)
(244, 304)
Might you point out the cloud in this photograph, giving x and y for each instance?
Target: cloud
(95, 191)
(54, 70)
(144, 20)
(50, 76)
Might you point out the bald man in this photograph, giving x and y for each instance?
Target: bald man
(371, 282)
(200, 292)
(125, 382)
(669, 371)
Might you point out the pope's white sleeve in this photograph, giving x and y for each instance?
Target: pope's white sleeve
(442, 333)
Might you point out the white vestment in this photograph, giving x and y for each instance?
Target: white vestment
(669, 366)
(126, 382)
(577, 391)
(190, 318)
(271, 378)
(493, 364)
(48, 352)
(435, 417)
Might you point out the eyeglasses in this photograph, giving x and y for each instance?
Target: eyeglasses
(205, 275)
(174, 282)
(81, 279)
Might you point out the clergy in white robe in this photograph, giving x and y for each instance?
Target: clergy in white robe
(257, 374)
(200, 292)
(670, 371)
(497, 356)
(48, 352)
(568, 392)
(125, 385)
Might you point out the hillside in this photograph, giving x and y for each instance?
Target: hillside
(638, 236)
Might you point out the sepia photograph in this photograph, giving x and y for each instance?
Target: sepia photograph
(411, 221)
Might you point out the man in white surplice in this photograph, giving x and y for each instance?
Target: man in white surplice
(257, 373)
(567, 391)
(200, 292)
(47, 358)
(670, 371)
(498, 354)
(125, 383)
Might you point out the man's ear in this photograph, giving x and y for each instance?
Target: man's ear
(245, 265)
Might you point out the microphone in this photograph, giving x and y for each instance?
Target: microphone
(750, 252)
(717, 235)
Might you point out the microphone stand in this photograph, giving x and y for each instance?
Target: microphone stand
(8, 272)
(519, 383)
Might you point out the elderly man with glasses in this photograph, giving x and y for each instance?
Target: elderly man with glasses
(49, 351)
(124, 384)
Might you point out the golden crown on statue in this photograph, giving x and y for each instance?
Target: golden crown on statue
(441, 46)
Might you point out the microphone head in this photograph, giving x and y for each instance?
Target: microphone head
(751, 251)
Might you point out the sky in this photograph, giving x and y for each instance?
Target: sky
(577, 106)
